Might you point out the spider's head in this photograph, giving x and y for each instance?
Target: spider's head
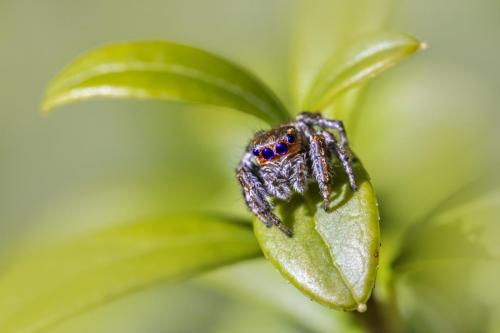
(276, 144)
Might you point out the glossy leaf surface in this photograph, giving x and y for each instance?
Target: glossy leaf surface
(257, 282)
(332, 256)
(357, 63)
(163, 70)
(40, 290)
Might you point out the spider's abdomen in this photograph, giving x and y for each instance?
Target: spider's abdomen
(283, 176)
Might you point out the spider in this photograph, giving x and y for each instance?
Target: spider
(285, 159)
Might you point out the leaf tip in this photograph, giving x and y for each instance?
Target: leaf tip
(361, 307)
(423, 46)
(47, 104)
(46, 107)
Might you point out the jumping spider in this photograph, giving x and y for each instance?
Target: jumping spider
(286, 158)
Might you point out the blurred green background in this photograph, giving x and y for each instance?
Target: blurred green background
(425, 130)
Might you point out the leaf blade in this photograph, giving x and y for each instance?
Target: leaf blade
(358, 63)
(258, 282)
(332, 256)
(98, 268)
(448, 264)
(163, 70)
(465, 228)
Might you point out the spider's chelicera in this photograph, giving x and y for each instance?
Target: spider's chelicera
(283, 160)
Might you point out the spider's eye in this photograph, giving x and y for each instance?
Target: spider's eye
(290, 138)
(267, 153)
(281, 148)
(256, 152)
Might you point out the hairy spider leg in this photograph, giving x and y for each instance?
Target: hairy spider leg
(256, 197)
(315, 119)
(321, 167)
(342, 151)
(318, 155)
(279, 179)
(274, 184)
(298, 178)
(343, 157)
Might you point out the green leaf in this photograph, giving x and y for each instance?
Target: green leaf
(459, 233)
(359, 62)
(332, 256)
(48, 286)
(448, 266)
(346, 108)
(163, 70)
(324, 27)
(425, 103)
(257, 282)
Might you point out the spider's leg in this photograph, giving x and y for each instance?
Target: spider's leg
(321, 168)
(315, 119)
(343, 150)
(258, 204)
(256, 197)
(337, 125)
(274, 184)
(298, 176)
(343, 157)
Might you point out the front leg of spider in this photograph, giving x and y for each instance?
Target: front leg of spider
(256, 196)
(320, 164)
(343, 157)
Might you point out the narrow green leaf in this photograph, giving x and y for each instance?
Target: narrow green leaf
(163, 70)
(323, 27)
(346, 108)
(332, 256)
(51, 285)
(356, 64)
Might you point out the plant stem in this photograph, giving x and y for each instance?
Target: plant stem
(380, 317)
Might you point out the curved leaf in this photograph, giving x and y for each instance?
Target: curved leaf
(358, 63)
(258, 283)
(346, 108)
(324, 27)
(461, 232)
(332, 256)
(163, 70)
(448, 267)
(51, 285)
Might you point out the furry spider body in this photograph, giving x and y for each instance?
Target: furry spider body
(285, 159)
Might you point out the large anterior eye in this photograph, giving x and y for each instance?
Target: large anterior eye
(281, 148)
(267, 153)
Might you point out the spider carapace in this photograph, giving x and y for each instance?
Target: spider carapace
(285, 159)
